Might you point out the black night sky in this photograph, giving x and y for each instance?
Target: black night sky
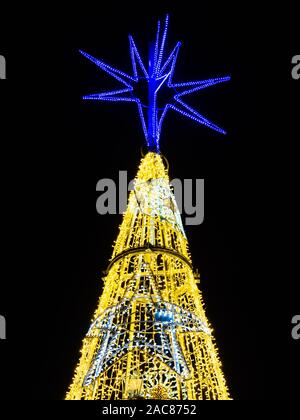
(56, 147)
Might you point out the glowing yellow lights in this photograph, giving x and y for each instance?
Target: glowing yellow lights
(149, 337)
(160, 393)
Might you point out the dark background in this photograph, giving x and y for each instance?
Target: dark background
(55, 147)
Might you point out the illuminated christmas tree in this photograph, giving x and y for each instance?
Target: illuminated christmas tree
(149, 337)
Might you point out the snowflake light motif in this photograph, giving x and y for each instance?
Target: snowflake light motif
(159, 73)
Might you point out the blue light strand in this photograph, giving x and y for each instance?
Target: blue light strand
(109, 99)
(160, 74)
(208, 82)
(108, 69)
(161, 52)
(154, 118)
(156, 49)
(134, 67)
(136, 53)
(164, 113)
(171, 57)
(142, 118)
(102, 96)
(200, 119)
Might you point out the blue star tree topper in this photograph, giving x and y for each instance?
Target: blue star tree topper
(160, 73)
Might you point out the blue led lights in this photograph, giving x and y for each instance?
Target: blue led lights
(159, 73)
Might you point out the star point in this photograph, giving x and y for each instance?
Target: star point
(159, 337)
